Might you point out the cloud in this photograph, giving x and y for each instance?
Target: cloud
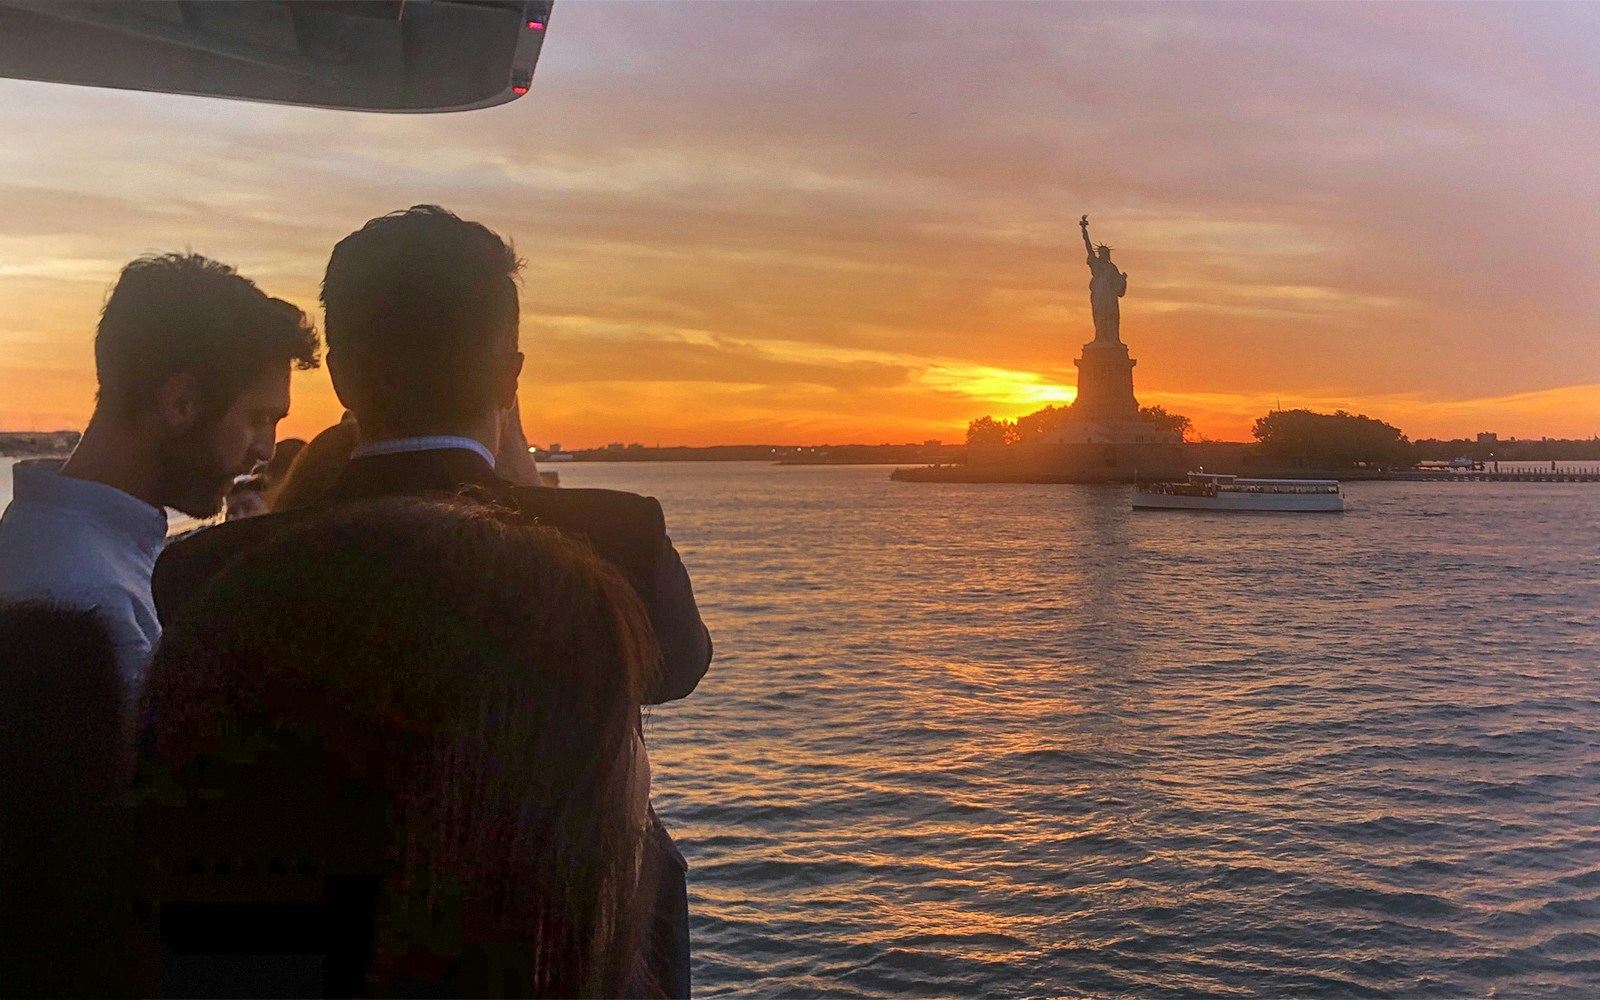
(1340, 202)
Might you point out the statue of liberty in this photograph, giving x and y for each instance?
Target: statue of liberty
(1106, 286)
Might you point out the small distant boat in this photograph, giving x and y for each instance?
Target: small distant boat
(1216, 491)
(1462, 463)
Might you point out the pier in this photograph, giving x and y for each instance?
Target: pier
(1468, 476)
(1036, 474)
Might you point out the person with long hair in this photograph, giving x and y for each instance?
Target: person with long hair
(432, 787)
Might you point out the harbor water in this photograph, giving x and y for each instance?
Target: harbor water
(1017, 740)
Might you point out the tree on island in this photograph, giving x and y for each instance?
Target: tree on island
(988, 430)
(1331, 440)
(1165, 421)
(1041, 422)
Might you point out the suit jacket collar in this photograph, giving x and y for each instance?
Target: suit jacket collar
(445, 470)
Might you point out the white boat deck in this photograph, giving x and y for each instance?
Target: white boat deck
(1219, 491)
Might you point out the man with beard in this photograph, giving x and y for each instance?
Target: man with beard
(193, 365)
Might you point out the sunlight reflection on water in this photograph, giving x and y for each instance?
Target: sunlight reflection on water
(1017, 740)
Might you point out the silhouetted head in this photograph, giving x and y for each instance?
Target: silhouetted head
(316, 468)
(421, 311)
(193, 361)
(247, 498)
(1103, 252)
(431, 699)
(282, 457)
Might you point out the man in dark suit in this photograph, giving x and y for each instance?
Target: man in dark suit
(421, 327)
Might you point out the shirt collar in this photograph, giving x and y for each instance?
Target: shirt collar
(431, 442)
(39, 483)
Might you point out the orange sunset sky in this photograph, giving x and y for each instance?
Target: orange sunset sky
(832, 222)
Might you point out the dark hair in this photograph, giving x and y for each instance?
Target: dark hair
(171, 314)
(424, 303)
(425, 712)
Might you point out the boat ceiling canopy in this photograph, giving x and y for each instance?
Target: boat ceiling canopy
(359, 55)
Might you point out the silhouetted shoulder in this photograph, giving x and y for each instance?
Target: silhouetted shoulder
(630, 532)
(641, 512)
(56, 656)
(626, 528)
(188, 564)
(61, 754)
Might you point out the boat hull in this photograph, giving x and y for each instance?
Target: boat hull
(1326, 503)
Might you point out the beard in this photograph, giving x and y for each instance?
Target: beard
(194, 477)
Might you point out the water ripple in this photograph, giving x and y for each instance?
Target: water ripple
(1014, 741)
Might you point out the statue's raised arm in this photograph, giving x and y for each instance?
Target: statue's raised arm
(1106, 286)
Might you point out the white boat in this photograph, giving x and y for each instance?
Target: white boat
(1215, 491)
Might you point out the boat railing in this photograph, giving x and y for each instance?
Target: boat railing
(1281, 488)
(1209, 486)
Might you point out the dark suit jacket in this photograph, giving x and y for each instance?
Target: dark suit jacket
(625, 529)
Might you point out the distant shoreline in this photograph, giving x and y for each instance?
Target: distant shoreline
(965, 474)
(929, 452)
(1111, 477)
(37, 444)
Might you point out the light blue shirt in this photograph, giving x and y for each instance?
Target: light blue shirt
(84, 545)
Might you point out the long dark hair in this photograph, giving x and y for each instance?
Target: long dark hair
(428, 699)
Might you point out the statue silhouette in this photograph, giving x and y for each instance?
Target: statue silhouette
(1106, 286)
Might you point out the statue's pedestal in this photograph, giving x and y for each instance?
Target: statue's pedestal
(1105, 384)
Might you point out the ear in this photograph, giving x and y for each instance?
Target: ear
(179, 402)
(344, 383)
(506, 379)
